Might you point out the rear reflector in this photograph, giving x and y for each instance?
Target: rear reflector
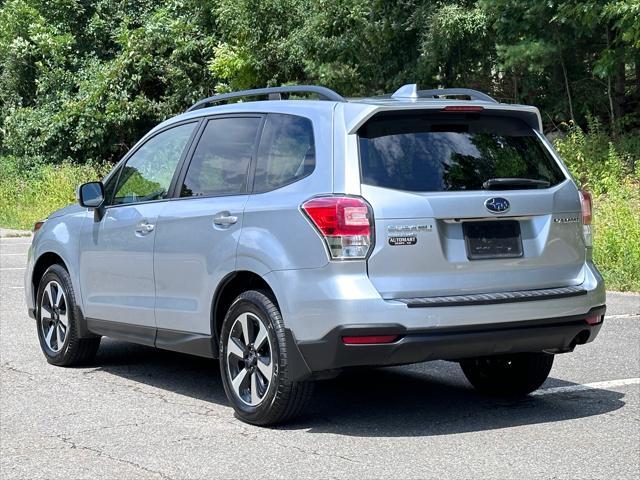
(594, 320)
(369, 339)
(463, 108)
(345, 223)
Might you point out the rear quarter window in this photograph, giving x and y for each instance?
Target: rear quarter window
(286, 153)
(451, 152)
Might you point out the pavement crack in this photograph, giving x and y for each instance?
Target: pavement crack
(8, 366)
(100, 453)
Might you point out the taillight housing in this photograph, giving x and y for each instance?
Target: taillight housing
(345, 224)
(587, 216)
(38, 225)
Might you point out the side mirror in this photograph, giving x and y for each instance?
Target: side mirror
(91, 195)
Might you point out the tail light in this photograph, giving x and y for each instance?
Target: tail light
(585, 202)
(587, 217)
(38, 225)
(345, 224)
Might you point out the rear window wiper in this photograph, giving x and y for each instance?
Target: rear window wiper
(510, 183)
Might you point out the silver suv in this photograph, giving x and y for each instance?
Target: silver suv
(296, 237)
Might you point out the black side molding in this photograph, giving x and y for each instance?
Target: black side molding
(185, 342)
(493, 298)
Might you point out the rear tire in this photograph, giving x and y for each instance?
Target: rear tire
(508, 375)
(57, 321)
(254, 363)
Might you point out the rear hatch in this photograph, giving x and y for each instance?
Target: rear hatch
(467, 202)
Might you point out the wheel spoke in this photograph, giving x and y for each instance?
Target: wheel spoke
(261, 337)
(237, 381)
(265, 369)
(255, 398)
(48, 310)
(49, 292)
(234, 348)
(49, 335)
(59, 337)
(64, 319)
(59, 295)
(244, 322)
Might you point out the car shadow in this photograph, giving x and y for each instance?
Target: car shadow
(418, 400)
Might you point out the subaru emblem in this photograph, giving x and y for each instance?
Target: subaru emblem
(497, 204)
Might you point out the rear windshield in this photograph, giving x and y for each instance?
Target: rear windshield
(449, 152)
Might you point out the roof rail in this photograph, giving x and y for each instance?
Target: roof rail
(274, 93)
(411, 92)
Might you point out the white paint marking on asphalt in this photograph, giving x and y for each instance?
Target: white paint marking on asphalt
(14, 243)
(12, 268)
(622, 315)
(2, 254)
(589, 386)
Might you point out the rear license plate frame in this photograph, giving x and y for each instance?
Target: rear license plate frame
(495, 239)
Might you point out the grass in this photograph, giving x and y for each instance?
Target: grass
(609, 168)
(29, 196)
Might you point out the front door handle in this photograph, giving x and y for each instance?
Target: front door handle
(145, 227)
(224, 219)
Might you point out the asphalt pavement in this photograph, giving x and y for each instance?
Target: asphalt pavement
(137, 412)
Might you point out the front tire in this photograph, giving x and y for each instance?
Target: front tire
(508, 375)
(254, 363)
(57, 321)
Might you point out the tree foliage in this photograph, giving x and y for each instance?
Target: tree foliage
(82, 80)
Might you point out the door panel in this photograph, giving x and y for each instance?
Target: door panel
(192, 255)
(116, 265)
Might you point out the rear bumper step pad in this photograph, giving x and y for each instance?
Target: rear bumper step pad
(493, 298)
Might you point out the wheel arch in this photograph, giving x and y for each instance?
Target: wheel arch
(228, 290)
(44, 261)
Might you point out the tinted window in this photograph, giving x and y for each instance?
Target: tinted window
(147, 174)
(451, 152)
(110, 187)
(221, 160)
(286, 152)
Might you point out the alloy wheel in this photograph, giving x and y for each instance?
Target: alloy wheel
(249, 359)
(54, 316)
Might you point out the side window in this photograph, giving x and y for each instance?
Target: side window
(286, 152)
(110, 186)
(147, 174)
(220, 162)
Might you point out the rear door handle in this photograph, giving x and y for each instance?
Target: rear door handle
(145, 227)
(224, 219)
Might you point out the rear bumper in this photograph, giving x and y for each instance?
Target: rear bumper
(553, 335)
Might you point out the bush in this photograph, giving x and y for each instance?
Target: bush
(610, 170)
(29, 195)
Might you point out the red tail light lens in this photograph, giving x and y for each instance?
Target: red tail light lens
(585, 201)
(369, 339)
(38, 225)
(345, 224)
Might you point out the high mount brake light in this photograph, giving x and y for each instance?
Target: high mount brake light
(345, 223)
(463, 108)
(587, 216)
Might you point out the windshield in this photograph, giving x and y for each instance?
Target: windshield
(452, 152)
